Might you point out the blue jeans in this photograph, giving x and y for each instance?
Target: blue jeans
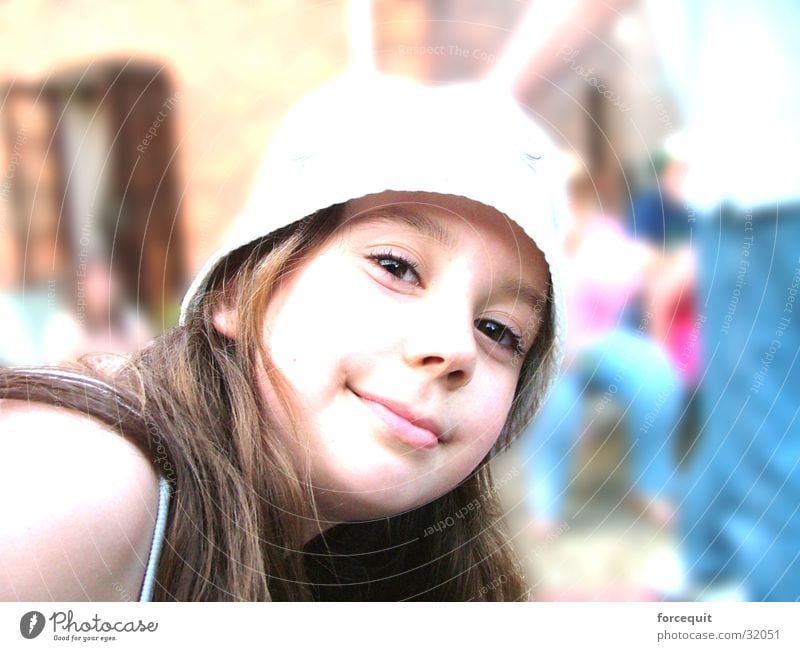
(740, 516)
(631, 370)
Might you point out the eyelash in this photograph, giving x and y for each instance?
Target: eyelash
(401, 260)
(397, 258)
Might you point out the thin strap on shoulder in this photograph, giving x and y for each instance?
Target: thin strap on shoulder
(158, 539)
(74, 377)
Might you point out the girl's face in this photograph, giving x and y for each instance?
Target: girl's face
(403, 340)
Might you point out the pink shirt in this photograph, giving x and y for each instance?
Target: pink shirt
(602, 274)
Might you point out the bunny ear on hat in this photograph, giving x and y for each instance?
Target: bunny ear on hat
(363, 134)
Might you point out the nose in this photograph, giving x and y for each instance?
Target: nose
(440, 339)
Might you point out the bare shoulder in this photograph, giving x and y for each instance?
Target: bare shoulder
(80, 507)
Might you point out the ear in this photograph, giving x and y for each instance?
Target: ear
(224, 320)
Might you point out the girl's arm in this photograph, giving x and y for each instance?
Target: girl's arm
(79, 507)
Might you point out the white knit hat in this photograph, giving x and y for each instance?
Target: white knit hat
(365, 134)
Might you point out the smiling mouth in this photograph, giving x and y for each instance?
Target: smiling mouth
(406, 431)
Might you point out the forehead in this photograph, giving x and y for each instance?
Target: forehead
(447, 203)
(442, 216)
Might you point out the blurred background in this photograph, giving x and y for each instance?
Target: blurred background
(665, 465)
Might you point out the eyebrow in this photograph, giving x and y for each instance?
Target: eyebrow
(519, 290)
(421, 223)
(525, 293)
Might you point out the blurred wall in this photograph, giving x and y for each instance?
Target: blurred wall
(237, 67)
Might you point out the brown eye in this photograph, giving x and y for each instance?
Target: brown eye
(498, 332)
(397, 266)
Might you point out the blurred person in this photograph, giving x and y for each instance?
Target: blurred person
(107, 321)
(658, 214)
(39, 328)
(604, 271)
(385, 317)
(661, 218)
(733, 75)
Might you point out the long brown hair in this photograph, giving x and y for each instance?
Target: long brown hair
(236, 520)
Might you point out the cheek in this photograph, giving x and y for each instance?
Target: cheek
(485, 410)
(319, 324)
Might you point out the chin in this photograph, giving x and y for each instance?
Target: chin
(380, 493)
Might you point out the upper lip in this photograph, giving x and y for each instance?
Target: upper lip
(404, 411)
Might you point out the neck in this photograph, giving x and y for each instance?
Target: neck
(312, 529)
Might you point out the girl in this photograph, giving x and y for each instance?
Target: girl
(384, 318)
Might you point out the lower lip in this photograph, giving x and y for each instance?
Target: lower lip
(406, 431)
